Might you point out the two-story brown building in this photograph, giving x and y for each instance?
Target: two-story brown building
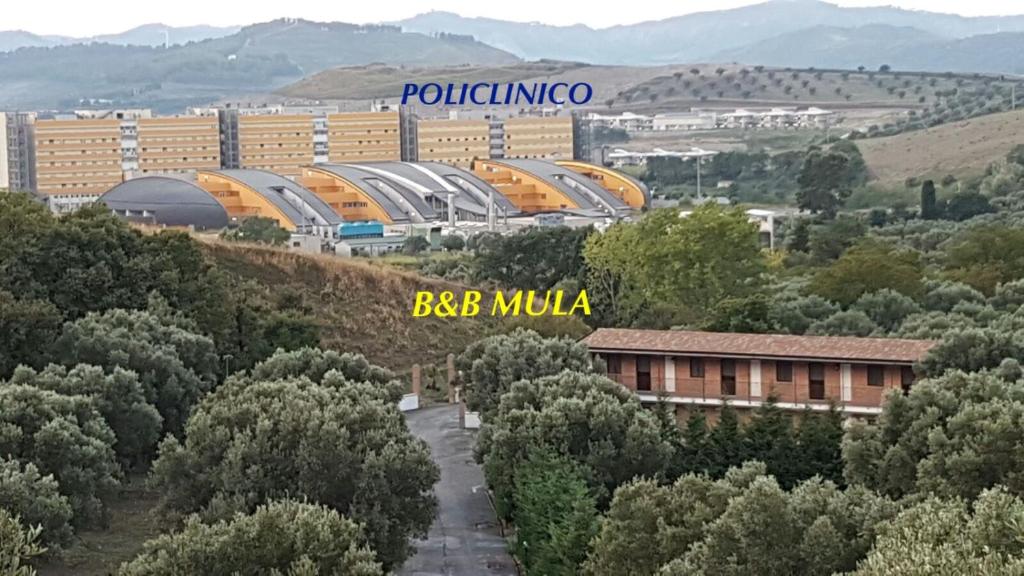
(707, 369)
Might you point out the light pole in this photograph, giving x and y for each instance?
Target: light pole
(699, 159)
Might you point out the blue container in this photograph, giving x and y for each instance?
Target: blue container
(362, 229)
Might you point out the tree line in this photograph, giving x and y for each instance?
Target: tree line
(597, 484)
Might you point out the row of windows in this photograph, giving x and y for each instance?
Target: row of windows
(783, 373)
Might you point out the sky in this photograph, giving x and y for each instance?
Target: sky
(92, 17)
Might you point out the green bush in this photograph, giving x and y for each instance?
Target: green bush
(281, 538)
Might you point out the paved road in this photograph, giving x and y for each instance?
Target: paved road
(464, 539)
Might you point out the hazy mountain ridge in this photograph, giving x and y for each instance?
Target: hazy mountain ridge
(704, 36)
(258, 58)
(145, 35)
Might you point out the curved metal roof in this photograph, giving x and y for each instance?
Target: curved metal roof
(581, 189)
(396, 197)
(166, 201)
(295, 201)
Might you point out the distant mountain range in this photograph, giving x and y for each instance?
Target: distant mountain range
(204, 63)
(777, 32)
(145, 35)
(256, 59)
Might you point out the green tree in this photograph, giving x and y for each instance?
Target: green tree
(886, 308)
(492, 364)
(986, 256)
(258, 229)
(800, 235)
(768, 438)
(536, 258)
(64, 436)
(453, 243)
(314, 363)
(815, 530)
(726, 446)
(844, 323)
(175, 366)
(828, 241)
(823, 183)
(819, 440)
(119, 398)
(868, 267)
(555, 515)
(36, 499)
(695, 453)
(751, 314)
(336, 444)
(586, 418)
(966, 205)
(415, 245)
(283, 538)
(667, 269)
(929, 203)
(944, 537)
(18, 544)
(649, 524)
(29, 328)
(951, 436)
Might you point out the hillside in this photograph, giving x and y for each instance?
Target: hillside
(702, 36)
(257, 59)
(962, 149)
(360, 307)
(663, 88)
(380, 81)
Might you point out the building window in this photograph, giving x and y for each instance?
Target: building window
(728, 377)
(876, 375)
(614, 362)
(816, 381)
(643, 373)
(696, 367)
(783, 371)
(907, 378)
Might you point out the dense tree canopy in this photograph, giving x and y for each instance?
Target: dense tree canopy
(532, 259)
(36, 500)
(29, 328)
(952, 436)
(490, 366)
(945, 537)
(868, 267)
(64, 436)
(174, 366)
(335, 445)
(284, 538)
(669, 269)
(587, 418)
(119, 398)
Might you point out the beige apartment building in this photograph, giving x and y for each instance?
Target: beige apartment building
(78, 157)
(178, 144)
(455, 142)
(364, 137)
(547, 137)
(280, 143)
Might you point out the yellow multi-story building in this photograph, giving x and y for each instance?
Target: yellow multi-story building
(281, 143)
(178, 144)
(364, 137)
(547, 137)
(78, 157)
(455, 142)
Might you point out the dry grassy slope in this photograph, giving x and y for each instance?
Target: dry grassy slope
(961, 148)
(360, 307)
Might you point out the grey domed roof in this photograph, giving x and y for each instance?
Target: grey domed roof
(166, 201)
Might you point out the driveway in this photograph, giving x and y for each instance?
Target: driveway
(464, 539)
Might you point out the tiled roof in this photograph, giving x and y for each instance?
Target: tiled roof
(759, 345)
